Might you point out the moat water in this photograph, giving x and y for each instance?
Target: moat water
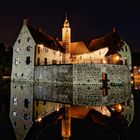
(35, 112)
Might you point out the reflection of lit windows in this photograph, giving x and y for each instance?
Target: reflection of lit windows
(14, 113)
(15, 101)
(25, 127)
(17, 61)
(26, 116)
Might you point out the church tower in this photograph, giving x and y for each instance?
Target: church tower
(66, 38)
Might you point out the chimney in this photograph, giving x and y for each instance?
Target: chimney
(114, 29)
(26, 21)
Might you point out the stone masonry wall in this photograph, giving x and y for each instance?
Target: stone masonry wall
(82, 74)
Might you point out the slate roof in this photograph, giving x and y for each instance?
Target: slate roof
(40, 37)
(111, 40)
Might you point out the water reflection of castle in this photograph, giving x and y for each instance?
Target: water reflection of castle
(31, 103)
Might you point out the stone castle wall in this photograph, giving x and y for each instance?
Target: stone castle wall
(82, 74)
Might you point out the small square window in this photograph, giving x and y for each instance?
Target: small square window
(28, 48)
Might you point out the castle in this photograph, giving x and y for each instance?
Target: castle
(39, 57)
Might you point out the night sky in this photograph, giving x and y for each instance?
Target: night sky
(88, 18)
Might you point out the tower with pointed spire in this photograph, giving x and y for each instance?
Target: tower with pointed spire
(66, 37)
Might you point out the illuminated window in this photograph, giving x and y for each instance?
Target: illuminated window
(15, 101)
(17, 61)
(14, 113)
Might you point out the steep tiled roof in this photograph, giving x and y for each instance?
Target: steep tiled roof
(41, 37)
(111, 40)
(79, 48)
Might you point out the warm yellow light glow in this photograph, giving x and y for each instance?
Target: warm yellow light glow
(117, 107)
(104, 61)
(132, 82)
(39, 119)
(117, 57)
(41, 45)
(57, 109)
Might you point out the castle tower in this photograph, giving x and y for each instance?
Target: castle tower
(66, 38)
(66, 123)
(23, 55)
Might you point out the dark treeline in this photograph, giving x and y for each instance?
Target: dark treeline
(5, 60)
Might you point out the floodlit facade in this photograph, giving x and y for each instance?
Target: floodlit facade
(34, 47)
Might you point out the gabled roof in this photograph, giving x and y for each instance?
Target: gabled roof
(111, 40)
(40, 37)
(78, 48)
